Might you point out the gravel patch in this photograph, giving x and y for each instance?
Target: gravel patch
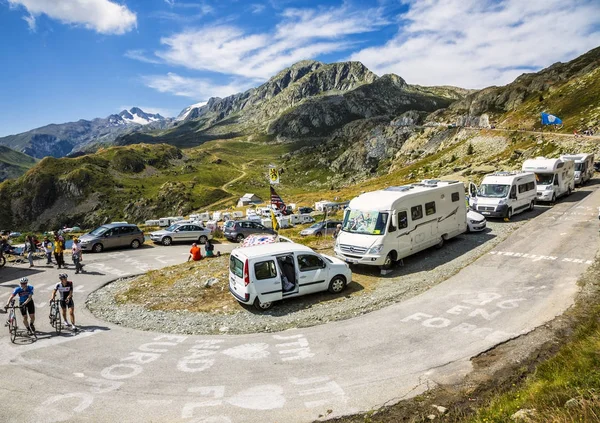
(420, 272)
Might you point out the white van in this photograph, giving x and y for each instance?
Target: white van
(267, 273)
(204, 216)
(381, 227)
(217, 216)
(584, 166)
(554, 177)
(504, 194)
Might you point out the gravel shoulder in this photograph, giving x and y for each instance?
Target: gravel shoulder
(367, 293)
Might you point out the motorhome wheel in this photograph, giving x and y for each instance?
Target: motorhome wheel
(509, 213)
(441, 243)
(532, 206)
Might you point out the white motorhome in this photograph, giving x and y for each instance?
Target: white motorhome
(217, 216)
(237, 214)
(554, 177)
(504, 194)
(266, 273)
(381, 227)
(584, 166)
(299, 219)
(151, 222)
(204, 216)
(166, 221)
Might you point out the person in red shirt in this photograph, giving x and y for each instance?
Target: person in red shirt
(195, 253)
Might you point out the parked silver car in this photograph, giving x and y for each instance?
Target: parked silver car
(181, 232)
(112, 235)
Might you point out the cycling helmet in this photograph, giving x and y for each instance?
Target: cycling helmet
(62, 276)
(23, 280)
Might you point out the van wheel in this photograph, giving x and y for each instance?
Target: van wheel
(389, 261)
(166, 241)
(532, 206)
(262, 306)
(509, 213)
(568, 191)
(240, 238)
(202, 239)
(135, 244)
(441, 243)
(553, 199)
(337, 284)
(97, 248)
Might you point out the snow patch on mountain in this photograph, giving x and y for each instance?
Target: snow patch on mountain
(185, 112)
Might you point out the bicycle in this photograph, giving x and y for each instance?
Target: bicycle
(55, 318)
(13, 326)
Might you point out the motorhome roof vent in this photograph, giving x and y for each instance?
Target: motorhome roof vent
(430, 181)
(400, 188)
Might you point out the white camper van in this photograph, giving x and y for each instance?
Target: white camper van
(266, 273)
(584, 166)
(299, 219)
(166, 221)
(381, 227)
(554, 177)
(504, 194)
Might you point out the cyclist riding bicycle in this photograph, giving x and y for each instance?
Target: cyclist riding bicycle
(65, 287)
(25, 293)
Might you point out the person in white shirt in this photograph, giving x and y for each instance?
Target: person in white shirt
(47, 246)
(77, 255)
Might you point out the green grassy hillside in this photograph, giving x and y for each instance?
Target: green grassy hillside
(14, 164)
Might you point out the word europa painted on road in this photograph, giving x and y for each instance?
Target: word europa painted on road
(535, 257)
(473, 308)
(112, 378)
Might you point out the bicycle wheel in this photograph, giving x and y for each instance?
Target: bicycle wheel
(12, 328)
(55, 317)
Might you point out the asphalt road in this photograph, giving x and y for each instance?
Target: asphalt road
(110, 373)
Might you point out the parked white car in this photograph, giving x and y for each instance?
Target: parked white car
(267, 273)
(181, 232)
(475, 222)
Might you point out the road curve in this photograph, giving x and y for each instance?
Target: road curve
(110, 373)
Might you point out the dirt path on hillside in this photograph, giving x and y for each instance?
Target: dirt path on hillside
(226, 185)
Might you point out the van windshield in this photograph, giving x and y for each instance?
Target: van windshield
(99, 231)
(236, 266)
(544, 178)
(493, 190)
(365, 222)
(579, 166)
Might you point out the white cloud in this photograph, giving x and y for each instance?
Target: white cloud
(302, 34)
(257, 8)
(103, 16)
(477, 43)
(196, 88)
(30, 19)
(141, 56)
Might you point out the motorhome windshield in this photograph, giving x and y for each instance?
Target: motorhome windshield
(578, 167)
(544, 178)
(493, 190)
(365, 222)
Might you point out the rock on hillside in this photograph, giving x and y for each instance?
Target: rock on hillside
(59, 140)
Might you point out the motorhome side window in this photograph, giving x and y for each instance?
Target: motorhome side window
(430, 208)
(309, 262)
(402, 220)
(455, 197)
(265, 270)
(416, 212)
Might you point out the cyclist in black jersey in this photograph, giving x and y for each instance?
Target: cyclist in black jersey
(65, 287)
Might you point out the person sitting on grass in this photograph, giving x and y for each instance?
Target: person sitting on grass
(209, 248)
(195, 253)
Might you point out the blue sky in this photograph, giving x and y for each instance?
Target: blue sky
(64, 60)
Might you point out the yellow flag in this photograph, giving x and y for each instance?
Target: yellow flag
(274, 221)
(274, 175)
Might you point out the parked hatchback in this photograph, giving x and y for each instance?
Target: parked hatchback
(182, 232)
(321, 228)
(112, 236)
(238, 230)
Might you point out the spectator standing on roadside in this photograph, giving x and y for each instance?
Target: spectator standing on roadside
(59, 248)
(28, 249)
(337, 231)
(195, 253)
(77, 255)
(47, 246)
